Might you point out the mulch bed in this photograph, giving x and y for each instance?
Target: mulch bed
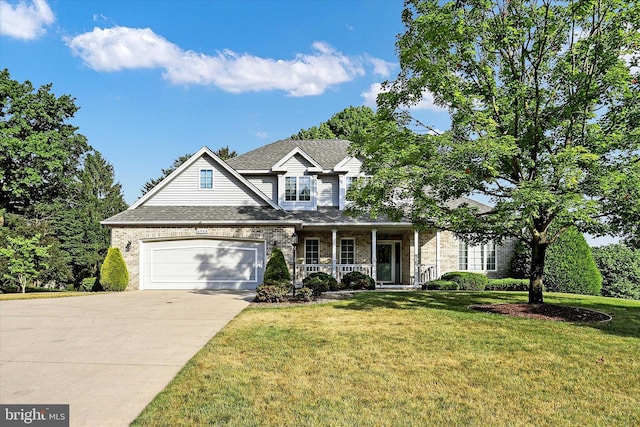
(558, 313)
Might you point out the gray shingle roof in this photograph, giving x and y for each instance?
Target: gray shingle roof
(194, 215)
(327, 152)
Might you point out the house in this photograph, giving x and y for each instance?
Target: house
(212, 224)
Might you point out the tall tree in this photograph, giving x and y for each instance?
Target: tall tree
(544, 103)
(224, 153)
(39, 149)
(347, 124)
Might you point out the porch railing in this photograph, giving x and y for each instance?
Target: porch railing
(303, 270)
(426, 273)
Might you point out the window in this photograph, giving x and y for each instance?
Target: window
(297, 188)
(312, 251)
(347, 251)
(478, 258)
(290, 188)
(206, 179)
(349, 183)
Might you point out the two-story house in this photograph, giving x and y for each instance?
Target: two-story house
(212, 224)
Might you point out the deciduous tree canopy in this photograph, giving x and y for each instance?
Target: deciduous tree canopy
(544, 103)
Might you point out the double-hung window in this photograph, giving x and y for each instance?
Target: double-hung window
(477, 258)
(297, 188)
(347, 251)
(206, 179)
(312, 251)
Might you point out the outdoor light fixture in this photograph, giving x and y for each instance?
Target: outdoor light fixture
(128, 246)
(294, 243)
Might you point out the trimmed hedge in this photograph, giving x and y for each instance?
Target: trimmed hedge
(114, 275)
(441, 285)
(508, 284)
(466, 280)
(357, 280)
(271, 293)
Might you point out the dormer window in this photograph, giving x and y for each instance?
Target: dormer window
(206, 179)
(297, 188)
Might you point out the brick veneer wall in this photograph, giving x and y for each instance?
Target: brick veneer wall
(121, 236)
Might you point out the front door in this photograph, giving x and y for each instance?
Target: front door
(388, 262)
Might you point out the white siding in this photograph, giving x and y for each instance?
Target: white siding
(328, 190)
(184, 189)
(268, 184)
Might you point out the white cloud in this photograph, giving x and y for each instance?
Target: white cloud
(25, 21)
(118, 48)
(262, 134)
(381, 67)
(426, 102)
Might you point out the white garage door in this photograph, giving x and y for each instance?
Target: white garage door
(202, 264)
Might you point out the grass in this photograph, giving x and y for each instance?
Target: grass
(35, 294)
(409, 359)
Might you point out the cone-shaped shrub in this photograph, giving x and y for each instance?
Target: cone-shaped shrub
(113, 274)
(276, 269)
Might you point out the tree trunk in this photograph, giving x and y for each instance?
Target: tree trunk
(537, 270)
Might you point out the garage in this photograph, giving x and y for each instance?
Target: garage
(211, 263)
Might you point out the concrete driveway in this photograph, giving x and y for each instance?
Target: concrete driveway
(105, 355)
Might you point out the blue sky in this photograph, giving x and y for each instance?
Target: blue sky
(158, 79)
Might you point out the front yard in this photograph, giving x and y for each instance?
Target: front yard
(414, 358)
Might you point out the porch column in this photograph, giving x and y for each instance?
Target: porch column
(416, 257)
(334, 252)
(374, 253)
(437, 254)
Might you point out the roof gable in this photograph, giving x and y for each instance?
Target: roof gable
(196, 161)
(312, 166)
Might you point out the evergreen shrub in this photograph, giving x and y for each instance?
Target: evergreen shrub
(357, 280)
(620, 269)
(271, 293)
(466, 280)
(508, 284)
(320, 282)
(113, 273)
(441, 285)
(276, 268)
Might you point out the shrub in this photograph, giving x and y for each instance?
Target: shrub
(357, 280)
(508, 284)
(320, 282)
(304, 294)
(276, 268)
(441, 285)
(466, 280)
(87, 284)
(620, 269)
(569, 265)
(113, 273)
(271, 293)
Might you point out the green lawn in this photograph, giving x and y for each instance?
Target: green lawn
(411, 359)
(42, 294)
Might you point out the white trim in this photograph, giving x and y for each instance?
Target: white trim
(342, 164)
(200, 188)
(416, 257)
(280, 165)
(188, 163)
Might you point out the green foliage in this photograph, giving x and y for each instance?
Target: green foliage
(24, 256)
(466, 280)
(530, 127)
(441, 285)
(570, 266)
(271, 293)
(114, 275)
(508, 284)
(39, 149)
(620, 269)
(357, 280)
(276, 268)
(347, 124)
(320, 282)
(87, 284)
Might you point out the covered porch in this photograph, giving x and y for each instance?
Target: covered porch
(393, 256)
